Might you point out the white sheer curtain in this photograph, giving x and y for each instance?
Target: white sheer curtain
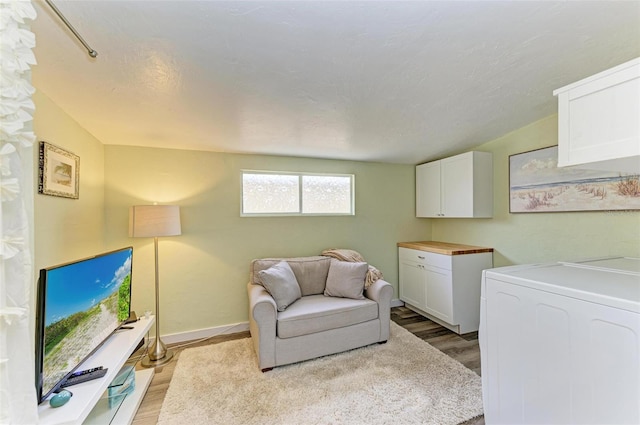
(17, 390)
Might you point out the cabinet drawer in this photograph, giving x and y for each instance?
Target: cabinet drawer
(425, 258)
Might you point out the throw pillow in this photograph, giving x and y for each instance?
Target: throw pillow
(281, 283)
(346, 279)
(311, 272)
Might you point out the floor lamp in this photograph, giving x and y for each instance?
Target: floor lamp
(153, 221)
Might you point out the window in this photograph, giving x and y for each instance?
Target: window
(279, 193)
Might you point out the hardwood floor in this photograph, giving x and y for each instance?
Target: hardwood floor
(463, 348)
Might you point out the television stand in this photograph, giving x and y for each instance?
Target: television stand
(88, 404)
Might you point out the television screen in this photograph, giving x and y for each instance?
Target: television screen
(80, 304)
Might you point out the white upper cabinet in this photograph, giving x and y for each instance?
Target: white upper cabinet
(428, 189)
(599, 120)
(459, 186)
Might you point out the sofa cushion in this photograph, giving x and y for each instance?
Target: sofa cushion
(311, 272)
(281, 283)
(316, 313)
(346, 279)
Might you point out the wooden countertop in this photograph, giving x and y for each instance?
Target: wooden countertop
(445, 248)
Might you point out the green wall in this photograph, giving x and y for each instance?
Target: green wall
(67, 229)
(203, 272)
(539, 237)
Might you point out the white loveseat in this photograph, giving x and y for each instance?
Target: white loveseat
(315, 324)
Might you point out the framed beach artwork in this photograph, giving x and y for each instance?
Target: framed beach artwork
(536, 184)
(59, 172)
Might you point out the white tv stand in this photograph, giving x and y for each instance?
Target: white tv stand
(86, 405)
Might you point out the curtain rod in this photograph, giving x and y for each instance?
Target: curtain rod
(91, 52)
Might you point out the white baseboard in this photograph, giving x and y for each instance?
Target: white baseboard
(205, 333)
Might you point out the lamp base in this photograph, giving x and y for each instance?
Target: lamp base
(147, 362)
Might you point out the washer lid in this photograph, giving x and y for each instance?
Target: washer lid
(609, 281)
(615, 264)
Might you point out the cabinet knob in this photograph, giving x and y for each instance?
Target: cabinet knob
(421, 257)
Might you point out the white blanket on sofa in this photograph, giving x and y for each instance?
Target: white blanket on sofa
(352, 256)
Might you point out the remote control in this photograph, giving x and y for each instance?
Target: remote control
(84, 372)
(85, 375)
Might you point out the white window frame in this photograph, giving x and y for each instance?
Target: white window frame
(300, 189)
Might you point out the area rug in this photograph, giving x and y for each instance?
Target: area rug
(405, 381)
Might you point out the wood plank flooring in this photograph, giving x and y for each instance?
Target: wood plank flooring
(463, 348)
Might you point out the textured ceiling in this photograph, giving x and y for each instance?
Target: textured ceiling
(386, 81)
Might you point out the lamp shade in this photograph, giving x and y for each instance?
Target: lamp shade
(149, 221)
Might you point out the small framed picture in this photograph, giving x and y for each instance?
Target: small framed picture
(59, 172)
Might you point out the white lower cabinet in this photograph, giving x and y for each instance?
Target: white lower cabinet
(413, 282)
(439, 300)
(444, 288)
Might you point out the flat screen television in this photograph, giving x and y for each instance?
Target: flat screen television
(79, 305)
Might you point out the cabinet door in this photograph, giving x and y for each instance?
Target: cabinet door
(439, 297)
(599, 121)
(428, 192)
(412, 283)
(457, 186)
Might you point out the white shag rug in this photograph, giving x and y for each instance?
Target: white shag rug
(405, 381)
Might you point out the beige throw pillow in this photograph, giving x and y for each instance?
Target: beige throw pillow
(346, 279)
(281, 283)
